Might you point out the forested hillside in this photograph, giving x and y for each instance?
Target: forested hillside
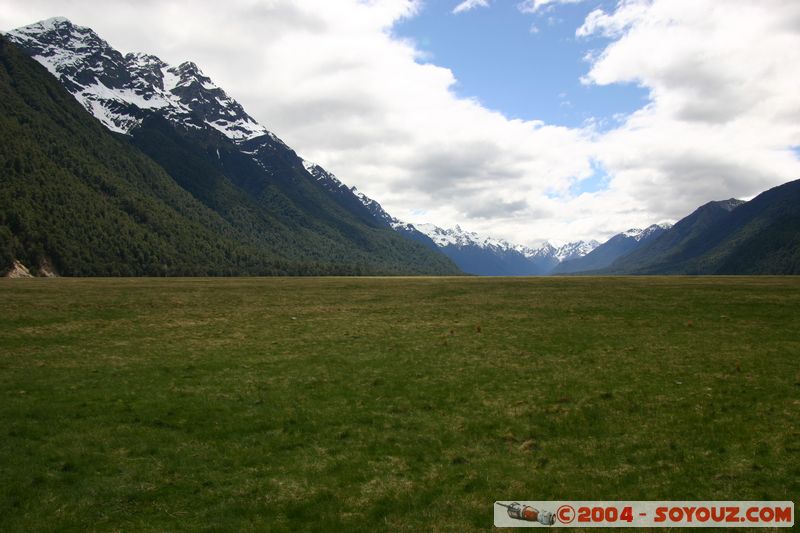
(90, 202)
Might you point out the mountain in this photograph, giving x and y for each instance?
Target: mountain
(353, 196)
(121, 91)
(488, 256)
(761, 236)
(243, 185)
(76, 200)
(617, 246)
(574, 250)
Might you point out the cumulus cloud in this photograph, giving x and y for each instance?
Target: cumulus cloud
(468, 5)
(612, 25)
(332, 80)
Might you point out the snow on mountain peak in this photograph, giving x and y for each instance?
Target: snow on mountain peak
(322, 175)
(730, 204)
(188, 70)
(650, 230)
(380, 213)
(309, 166)
(639, 234)
(574, 250)
(460, 238)
(544, 250)
(51, 23)
(330, 182)
(119, 90)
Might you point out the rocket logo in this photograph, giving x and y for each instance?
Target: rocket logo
(527, 513)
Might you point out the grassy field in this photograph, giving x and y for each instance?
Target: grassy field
(388, 404)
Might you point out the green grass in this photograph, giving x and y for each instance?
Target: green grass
(388, 404)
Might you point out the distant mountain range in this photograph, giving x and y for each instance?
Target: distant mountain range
(124, 165)
(488, 256)
(617, 246)
(761, 236)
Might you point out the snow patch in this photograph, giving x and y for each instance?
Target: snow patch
(53, 22)
(639, 234)
(309, 166)
(126, 96)
(106, 117)
(169, 80)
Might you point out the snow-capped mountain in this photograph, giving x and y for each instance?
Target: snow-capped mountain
(458, 237)
(483, 255)
(617, 246)
(638, 234)
(573, 250)
(120, 90)
(212, 148)
(379, 213)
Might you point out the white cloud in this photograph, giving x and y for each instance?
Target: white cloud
(332, 81)
(533, 6)
(468, 5)
(627, 13)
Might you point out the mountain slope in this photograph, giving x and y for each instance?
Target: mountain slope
(761, 236)
(227, 162)
(605, 254)
(365, 206)
(89, 204)
(686, 239)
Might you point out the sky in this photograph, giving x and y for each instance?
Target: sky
(528, 120)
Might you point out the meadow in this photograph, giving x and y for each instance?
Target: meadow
(398, 404)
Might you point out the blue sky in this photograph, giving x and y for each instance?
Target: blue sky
(525, 65)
